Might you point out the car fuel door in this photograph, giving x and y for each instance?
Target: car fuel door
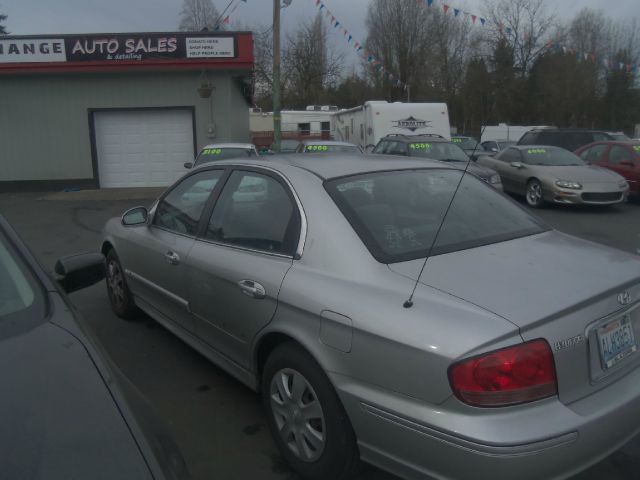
(235, 269)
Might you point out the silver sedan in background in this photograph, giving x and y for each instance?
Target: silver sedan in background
(554, 175)
(477, 343)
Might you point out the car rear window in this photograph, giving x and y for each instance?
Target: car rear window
(215, 154)
(331, 148)
(397, 214)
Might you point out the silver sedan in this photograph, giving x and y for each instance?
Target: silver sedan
(510, 353)
(552, 174)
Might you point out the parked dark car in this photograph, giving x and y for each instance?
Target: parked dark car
(67, 413)
(623, 157)
(470, 146)
(569, 139)
(435, 147)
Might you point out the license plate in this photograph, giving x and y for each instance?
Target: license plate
(616, 341)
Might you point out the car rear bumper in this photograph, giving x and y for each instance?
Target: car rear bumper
(545, 439)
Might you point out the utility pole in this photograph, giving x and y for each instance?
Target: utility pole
(276, 76)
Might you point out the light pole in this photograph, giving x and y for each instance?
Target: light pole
(276, 76)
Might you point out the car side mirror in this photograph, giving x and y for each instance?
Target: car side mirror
(494, 149)
(135, 216)
(517, 165)
(188, 165)
(79, 271)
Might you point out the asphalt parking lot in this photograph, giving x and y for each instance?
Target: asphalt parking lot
(218, 423)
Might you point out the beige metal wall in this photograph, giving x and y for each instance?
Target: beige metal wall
(44, 119)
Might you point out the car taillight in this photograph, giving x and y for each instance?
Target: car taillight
(509, 376)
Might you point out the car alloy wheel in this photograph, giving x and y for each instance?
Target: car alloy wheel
(534, 195)
(298, 414)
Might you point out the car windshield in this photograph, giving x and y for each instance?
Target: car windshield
(397, 214)
(444, 151)
(20, 295)
(551, 156)
(331, 148)
(223, 153)
(467, 143)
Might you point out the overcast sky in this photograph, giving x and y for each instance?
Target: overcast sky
(27, 17)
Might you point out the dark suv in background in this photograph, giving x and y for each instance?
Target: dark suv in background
(435, 147)
(569, 139)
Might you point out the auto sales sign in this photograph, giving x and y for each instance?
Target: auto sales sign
(117, 47)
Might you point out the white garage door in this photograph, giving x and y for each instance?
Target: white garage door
(142, 148)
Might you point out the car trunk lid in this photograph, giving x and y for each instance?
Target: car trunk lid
(555, 287)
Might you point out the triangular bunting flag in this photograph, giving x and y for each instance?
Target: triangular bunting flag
(456, 12)
(473, 18)
(446, 8)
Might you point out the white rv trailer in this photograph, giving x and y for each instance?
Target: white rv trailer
(367, 124)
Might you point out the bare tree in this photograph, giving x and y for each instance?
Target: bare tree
(3, 29)
(399, 36)
(197, 15)
(310, 66)
(526, 25)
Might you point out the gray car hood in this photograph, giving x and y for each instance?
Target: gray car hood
(531, 278)
(585, 174)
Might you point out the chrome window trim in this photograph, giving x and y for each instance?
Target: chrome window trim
(245, 249)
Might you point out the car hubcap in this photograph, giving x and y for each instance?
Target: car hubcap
(298, 414)
(535, 193)
(115, 282)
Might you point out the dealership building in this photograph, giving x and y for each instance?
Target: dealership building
(118, 110)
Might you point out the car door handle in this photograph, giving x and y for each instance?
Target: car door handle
(252, 289)
(172, 257)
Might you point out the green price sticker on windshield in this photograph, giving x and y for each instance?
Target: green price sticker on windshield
(316, 148)
(212, 151)
(420, 146)
(536, 151)
(456, 140)
(636, 148)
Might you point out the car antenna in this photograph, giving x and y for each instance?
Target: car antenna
(409, 302)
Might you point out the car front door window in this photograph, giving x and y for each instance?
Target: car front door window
(619, 154)
(180, 210)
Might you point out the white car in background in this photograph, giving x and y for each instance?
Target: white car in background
(223, 151)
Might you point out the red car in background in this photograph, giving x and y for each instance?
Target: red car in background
(621, 157)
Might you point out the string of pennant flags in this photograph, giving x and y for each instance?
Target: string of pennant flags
(371, 59)
(477, 20)
(593, 58)
(227, 18)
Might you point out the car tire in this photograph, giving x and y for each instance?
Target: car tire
(534, 194)
(321, 445)
(120, 296)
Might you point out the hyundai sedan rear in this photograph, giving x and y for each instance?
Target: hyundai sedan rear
(402, 313)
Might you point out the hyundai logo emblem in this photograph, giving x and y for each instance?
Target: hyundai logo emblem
(624, 298)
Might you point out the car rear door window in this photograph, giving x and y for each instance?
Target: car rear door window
(254, 211)
(180, 210)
